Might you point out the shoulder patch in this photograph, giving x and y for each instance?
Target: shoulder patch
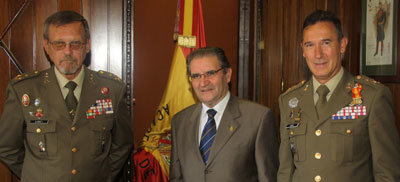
(108, 75)
(25, 76)
(367, 80)
(294, 87)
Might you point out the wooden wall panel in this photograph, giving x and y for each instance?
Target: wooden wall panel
(154, 48)
(4, 62)
(22, 37)
(5, 174)
(292, 57)
(43, 8)
(351, 28)
(271, 63)
(74, 5)
(395, 88)
(221, 26)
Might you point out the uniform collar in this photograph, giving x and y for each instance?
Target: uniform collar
(331, 84)
(78, 79)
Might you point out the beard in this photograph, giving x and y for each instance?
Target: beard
(68, 66)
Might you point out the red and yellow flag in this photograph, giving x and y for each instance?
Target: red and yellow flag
(152, 161)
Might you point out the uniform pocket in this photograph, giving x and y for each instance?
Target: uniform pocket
(297, 139)
(42, 138)
(101, 133)
(342, 141)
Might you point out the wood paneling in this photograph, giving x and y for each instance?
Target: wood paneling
(5, 174)
(395, 88)
(272, 56)
(221, 20)
(154, 48)
(22, 37)
(74, 5)
(4, 62)
(43, 9)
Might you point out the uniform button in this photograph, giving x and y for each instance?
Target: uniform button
(74, 171)
(38, 130)
(74, 149)
(317, 178)
(73, 128)
(318, 132)
(348, 131)
(291, 133)
(318, 155)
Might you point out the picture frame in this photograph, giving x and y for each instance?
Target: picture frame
(379, 40)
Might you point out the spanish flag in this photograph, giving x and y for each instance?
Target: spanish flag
(152, 160)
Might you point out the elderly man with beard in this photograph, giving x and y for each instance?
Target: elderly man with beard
(66, 123)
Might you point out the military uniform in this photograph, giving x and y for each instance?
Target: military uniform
(354, 139)
(40, 142)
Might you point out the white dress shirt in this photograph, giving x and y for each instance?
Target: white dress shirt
(220, 108)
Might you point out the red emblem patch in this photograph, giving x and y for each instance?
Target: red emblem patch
(104, 90)
(39, 113)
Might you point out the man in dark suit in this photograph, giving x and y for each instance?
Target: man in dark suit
(336, 127)
(66, 123)
(222, 138)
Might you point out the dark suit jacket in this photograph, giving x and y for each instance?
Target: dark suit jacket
(365, 149)
(245, 147)
(50, 150)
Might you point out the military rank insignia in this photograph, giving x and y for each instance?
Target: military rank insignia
(101, 107)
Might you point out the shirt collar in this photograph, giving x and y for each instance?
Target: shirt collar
(62, 80)
(220, 107)
(331, 84)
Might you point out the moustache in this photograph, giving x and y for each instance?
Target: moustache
(68, 58)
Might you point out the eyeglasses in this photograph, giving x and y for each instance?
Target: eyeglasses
(207, 75)
(60, 45)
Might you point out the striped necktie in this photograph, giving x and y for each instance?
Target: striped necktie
(208, 135)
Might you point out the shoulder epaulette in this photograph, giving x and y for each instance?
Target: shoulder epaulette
(300, 84)
(108, 75)
(24, 76)
(367, 80)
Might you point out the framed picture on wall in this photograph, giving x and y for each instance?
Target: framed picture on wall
(379, 39)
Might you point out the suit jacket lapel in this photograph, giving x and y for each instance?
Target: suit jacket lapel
(341, 97)
(88, 94)
(193, 127)
(52, 93)
(227, 127)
